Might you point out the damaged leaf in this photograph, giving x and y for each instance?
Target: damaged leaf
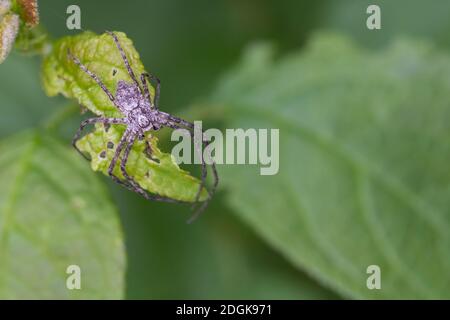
(160, 175)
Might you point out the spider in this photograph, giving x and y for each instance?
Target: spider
(141, 115)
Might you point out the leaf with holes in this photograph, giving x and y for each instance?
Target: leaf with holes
(60, 75)
(364, 175)
(99, 53)
(158, 174)
(52, 215)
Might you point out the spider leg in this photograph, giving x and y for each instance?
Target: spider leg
(155, 102)
(176, 123)
(176, 120)
(146, 91)
(203, 164)
(134, 186)
(124, 57)
(92, 75)
(115, 158)
(106, 121)
(211, 193)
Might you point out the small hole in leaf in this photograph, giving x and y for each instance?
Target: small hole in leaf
(103, 154)
(110, 145)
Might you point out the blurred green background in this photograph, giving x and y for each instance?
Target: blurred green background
(189, 45)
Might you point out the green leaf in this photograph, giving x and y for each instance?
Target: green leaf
(163, 176)
(364, 175)
(99, 53)
(337, 16)
(19, 74)
(53, 214)
(222, 259)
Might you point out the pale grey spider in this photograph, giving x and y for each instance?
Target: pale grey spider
(141, 115)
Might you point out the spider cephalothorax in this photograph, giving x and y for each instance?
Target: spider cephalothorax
(140, 115)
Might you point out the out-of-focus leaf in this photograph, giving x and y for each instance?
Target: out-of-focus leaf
(52, 215)
(100, 55)
(364, 175)
(421, 20)
(19, 75)
(222, 259)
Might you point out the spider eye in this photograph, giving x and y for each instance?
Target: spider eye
(143, 121)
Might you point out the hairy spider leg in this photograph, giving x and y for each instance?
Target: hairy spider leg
(124, 58)
(204, 174)
(155, 103)
(105, 121)
(133, 185)
(116, 156)
(199, 153)
(211, 193)
(146, 91)
(93, 76)
(191, 128)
